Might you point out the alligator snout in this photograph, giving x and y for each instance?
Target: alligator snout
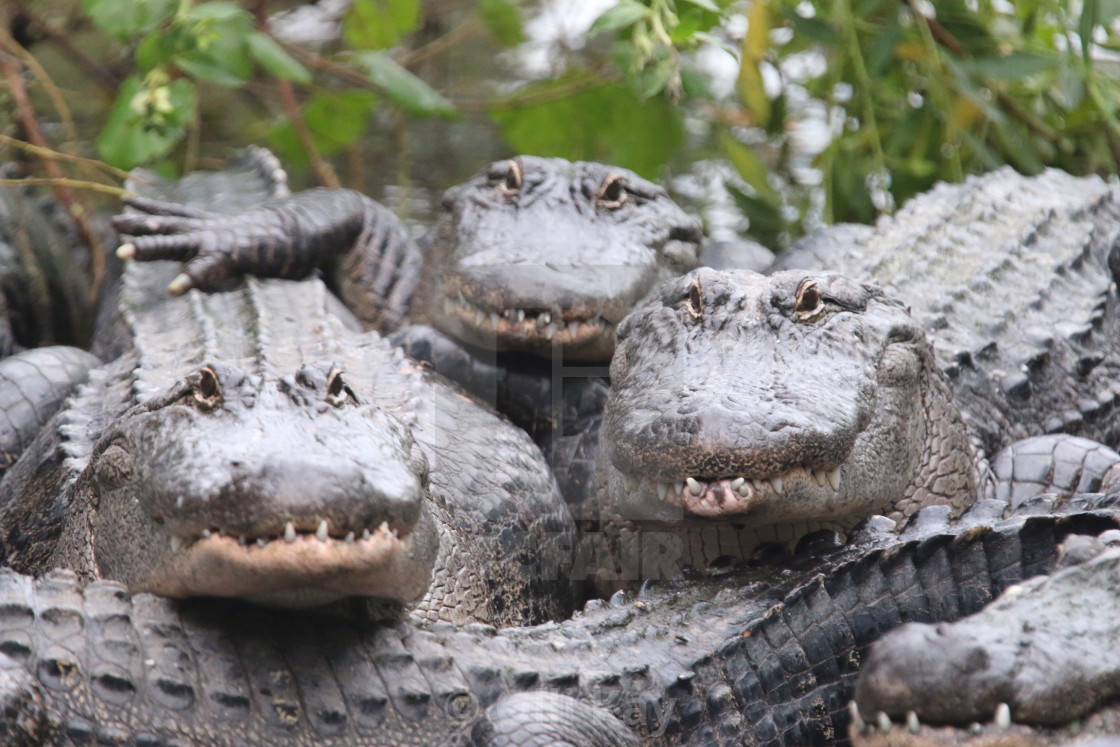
(287, 491)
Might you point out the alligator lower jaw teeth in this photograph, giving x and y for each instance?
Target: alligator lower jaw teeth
(694, 487)
(289, 536)
(525, 323)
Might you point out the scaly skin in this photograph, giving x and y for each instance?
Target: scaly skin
(227, 412)
(1038, 666)
(775, 404)
(749, 655)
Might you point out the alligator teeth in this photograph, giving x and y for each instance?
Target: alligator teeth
(884, 721)
(242, 541)
(549, 330)
(205, 534)
(693, 486)
(521, 315)
(289, 533)
(757, 484)
(448, 306)
(493, 320)
(629, 483)
(662, 490)
(479, 318)
(321, 532)
(818, 477)
(176, 543)
(857, 719)
(738, 483)
(912, 722)
(262, 543)
(833, 477)
(777, 483)
(365, 534)
(1003, 716)
(545, 317)
(573, 328)
(744, 490)
(349, 538)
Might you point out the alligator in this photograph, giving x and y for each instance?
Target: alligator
(531, 257)
(753, 654)
(1037, 666)
(257, 444)
(748, 408)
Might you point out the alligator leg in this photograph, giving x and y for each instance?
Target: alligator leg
(1055, 463)
(33, 384)
(375, 262)
(545, 719)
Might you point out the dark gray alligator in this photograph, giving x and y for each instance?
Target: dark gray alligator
(257, 444)
(1038, 666)
(533, 255)
(751, 656)
(42, 303)
(747, 409)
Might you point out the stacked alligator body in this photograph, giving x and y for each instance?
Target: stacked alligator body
(256, 443)
(755, 656)
(790, 458)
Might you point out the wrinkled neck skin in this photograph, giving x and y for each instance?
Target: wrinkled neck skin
(287, 492)
(542, 254)
(747, 409)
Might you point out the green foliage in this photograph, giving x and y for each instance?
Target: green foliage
(148, 118)
(379, 24)
(402, 87)
(605, 122)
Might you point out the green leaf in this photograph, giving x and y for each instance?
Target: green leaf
(1090, 11)
(752, 171)
(216, 41)
(146, 122)
(503, 20)
(653, 78)
(1107, 11)
(125, 19)
(1012, 66)
(379, 24)
(619, 17)
(755, 44)
(335, 120)
(574, 118)
(705, 4)
(403, 88)
(275, 61)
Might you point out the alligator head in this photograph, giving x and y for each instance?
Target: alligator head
(771, 400)
(287, 491)
(537, 252)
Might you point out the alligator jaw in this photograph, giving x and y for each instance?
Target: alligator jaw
(726, 496)
(518, 328)
(294, 568)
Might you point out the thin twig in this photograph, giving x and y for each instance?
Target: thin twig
(83, 62)
(323, 170)
(58, 155)
(50, 181)
(7, 43)
(26, 114)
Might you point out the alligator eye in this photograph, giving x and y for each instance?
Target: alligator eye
(507, 176)
(695, 300)
(338, 393)
(612, 193)
(208, 390)
(809, 302)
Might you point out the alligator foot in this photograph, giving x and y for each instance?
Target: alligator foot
(544, 719)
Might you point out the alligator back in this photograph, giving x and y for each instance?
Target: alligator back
(752, 656)
(495, 504)
(1014, 277)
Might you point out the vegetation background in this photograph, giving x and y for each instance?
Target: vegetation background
(768, 117)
